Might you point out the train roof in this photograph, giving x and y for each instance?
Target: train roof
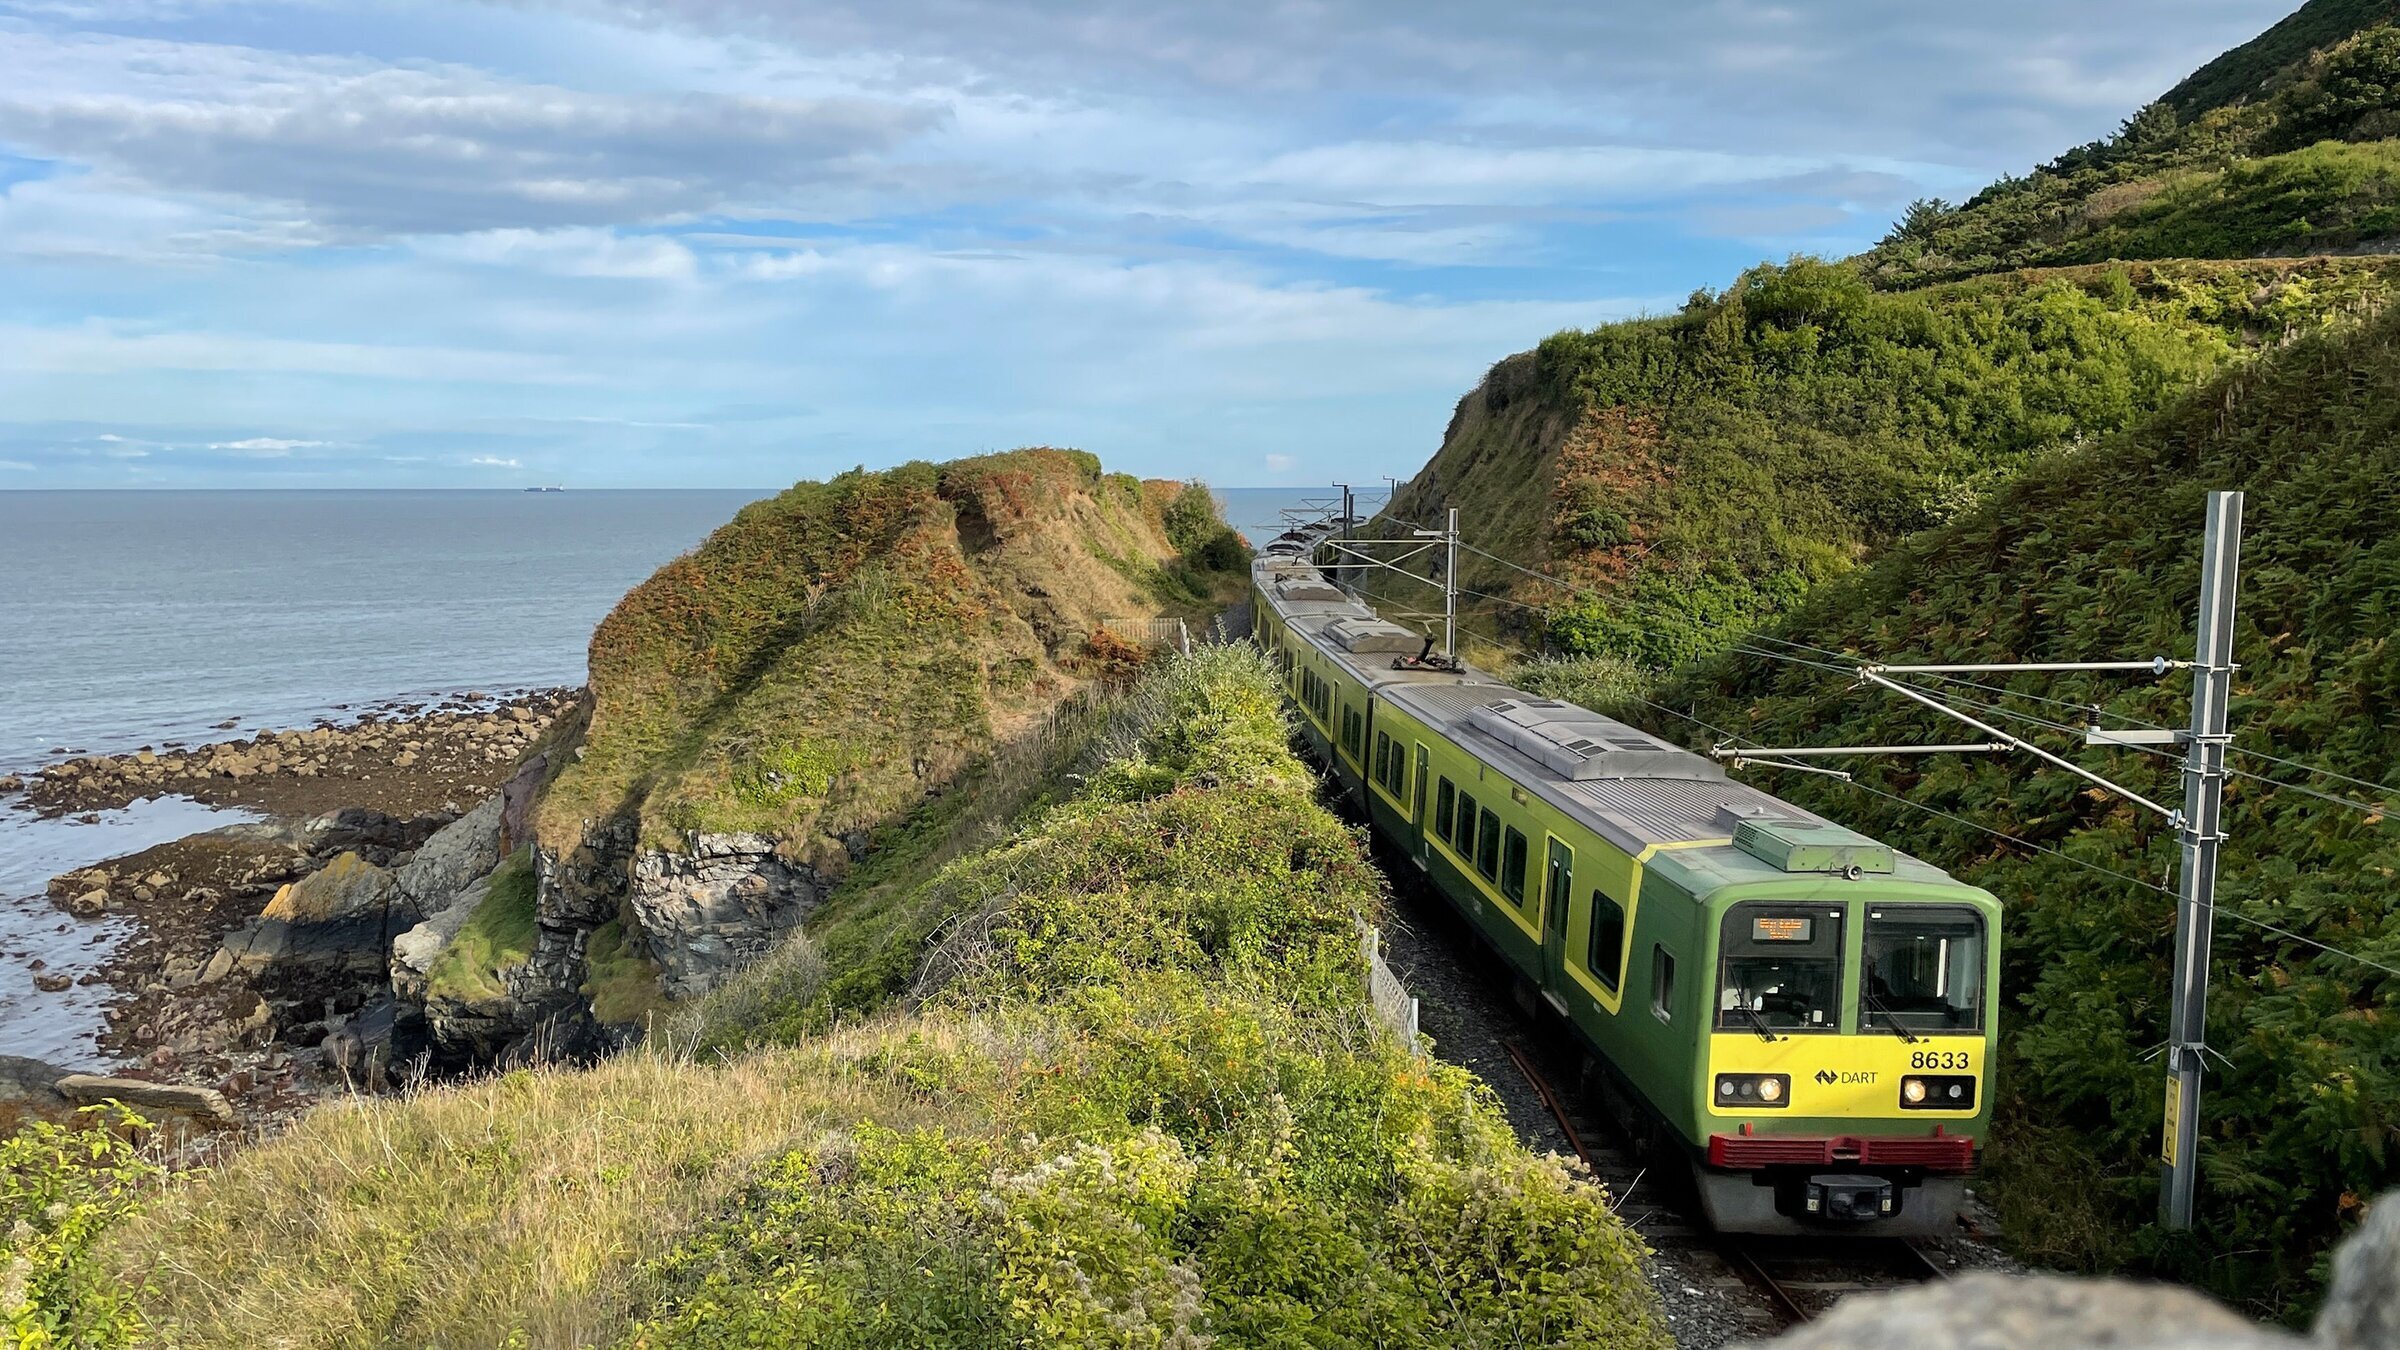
(1632, 788)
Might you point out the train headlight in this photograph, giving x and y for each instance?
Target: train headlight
(1938, 1092)
(1753, 1089)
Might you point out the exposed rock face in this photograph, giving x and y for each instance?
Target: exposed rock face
(722, 905)
(335, 923)
(453, 858)
(415, 951)
(1999, 1312)
(459, 1032)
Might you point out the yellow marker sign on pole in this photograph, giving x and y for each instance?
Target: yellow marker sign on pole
(2166, 1145)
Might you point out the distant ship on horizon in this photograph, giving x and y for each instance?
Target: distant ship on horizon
(553, 488)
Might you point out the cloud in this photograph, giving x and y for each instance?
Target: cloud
(409, 149)
(1279, 464)
(574, 252)
(494, 462)
(265, 445)
(16, 465)
(98, 349)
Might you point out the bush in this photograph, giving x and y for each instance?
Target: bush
(63, 1189)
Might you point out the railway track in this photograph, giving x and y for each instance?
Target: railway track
(1793, 1279)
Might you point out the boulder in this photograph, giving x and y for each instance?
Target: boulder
(337, 919)
(199, 1103)
(89, 905)
(2002, 1312)
(52, 984)
(30, 1083)
(450, 859)
(2362, 1305)
(355, 829)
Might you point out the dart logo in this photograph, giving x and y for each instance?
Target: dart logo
(1825, 1076)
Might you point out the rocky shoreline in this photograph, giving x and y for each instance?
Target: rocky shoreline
(257, 952)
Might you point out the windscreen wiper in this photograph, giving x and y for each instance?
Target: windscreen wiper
(1875, 1004)
(1759, 1022)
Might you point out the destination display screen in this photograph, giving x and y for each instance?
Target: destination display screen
(1781, 928)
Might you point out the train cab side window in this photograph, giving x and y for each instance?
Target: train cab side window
(1487, 846)
(1662, 983)
(1607, 953)
(1445, 801)
(1512, 866)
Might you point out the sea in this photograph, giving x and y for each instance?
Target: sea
(131, 619)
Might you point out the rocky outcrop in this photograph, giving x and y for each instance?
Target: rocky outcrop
(331, 926)
(30, 1085)
(451, 860)
(1999, 1312)
(302, 771)
(373, 835)
(718, 907)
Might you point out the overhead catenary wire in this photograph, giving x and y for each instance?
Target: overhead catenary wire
(2215, 907)
(1852, 661)
(2378, 810)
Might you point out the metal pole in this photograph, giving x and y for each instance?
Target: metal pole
(2196, 899)
(1450, 588)
(1341, 576)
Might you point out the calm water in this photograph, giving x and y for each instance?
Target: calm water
(1259, 512)
(132, 618)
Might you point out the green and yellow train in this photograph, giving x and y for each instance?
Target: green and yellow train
(1802, 1013)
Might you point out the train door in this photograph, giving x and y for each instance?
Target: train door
(1424, 772)
(1558, 886)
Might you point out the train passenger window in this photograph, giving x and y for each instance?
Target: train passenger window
(1445, 800)
(1607, 952)
(1781, 968)
(1512, 866)
(1487, 846)
(1924, 969)
(1662, 983)
(1464, 840)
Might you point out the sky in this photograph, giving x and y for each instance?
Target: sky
(737, 243)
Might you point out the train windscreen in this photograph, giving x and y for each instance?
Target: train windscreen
(1924, 969)
(1780, 968)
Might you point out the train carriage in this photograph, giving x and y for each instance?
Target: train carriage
(1803, 1013)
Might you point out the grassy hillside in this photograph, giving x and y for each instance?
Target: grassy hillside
(813, 666)
(1703, 471)
(2093, 555)
(2245, 72)
(1134, 1096)
(2282, 146)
